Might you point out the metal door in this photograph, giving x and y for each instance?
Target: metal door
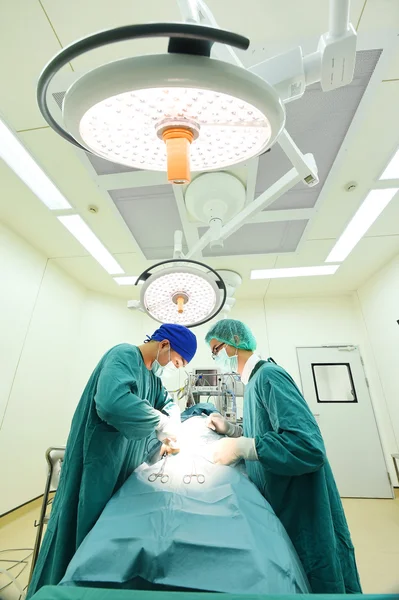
(335, 386)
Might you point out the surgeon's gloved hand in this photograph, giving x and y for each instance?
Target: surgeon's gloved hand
(170, 447)
(231, 450)
(217, 423)
(168, 430)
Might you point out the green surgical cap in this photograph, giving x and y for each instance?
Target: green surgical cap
(231, 332)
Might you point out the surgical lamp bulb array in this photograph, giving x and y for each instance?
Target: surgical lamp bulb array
(155, 129)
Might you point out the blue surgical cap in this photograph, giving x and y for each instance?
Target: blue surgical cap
(181, 339)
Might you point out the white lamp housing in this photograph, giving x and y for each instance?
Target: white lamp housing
(117, 111)
(181, 291)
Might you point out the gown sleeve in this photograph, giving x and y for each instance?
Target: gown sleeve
(165, 403)
(294, 445)
(116, 398)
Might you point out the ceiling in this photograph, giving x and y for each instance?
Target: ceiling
(352, 133)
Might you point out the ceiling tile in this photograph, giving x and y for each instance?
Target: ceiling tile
(260, 238)
(151, 215)
(318, 123)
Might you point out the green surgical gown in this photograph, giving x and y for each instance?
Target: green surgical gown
(294, 475)
(107, 441)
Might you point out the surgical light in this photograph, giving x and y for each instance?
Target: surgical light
(372, 207)
(182, 291)
(293, 272)
(26, 168)
(84, 235)
(173, 112)
(137, 128)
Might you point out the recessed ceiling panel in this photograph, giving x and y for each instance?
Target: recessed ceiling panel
(260, 238)
(318, 123)
(106, 167)
(152, 216)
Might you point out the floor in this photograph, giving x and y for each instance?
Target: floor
(374, 525)
(17, 531)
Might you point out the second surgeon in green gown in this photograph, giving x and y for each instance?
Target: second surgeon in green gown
(285, 457)
(119, 409)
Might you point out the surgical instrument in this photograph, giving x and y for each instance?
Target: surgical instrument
(164, 477)
(200, 478)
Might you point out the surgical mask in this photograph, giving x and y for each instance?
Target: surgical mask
(226, 363)
(159, 370)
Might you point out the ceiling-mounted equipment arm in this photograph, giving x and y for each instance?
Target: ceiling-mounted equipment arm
(332, 64)
(338, 18)
(281, 186)
(178, 244)
(305, 164)
(190, 11)
(338, 48)
(197, 11)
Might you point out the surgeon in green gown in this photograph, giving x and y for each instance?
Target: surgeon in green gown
(286, 459)
(123, 403)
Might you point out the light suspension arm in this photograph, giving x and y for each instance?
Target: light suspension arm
(305, 164)
(178, 244)
(338, 18)
(197, 11)
(332, 64)
(285, 183)
(189, 10)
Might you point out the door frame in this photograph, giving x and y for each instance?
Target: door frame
(350, 348)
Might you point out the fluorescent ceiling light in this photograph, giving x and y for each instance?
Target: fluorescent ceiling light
(293, 272)
(20, 161)
(83, 233)
(128, 280)
(392, 170)
(372, 207)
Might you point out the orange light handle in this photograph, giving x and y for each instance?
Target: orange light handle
(180, 305)
(178, 140)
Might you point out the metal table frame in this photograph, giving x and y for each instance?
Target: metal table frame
(53, 455)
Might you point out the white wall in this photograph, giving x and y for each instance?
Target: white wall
(53, 333)
(40, 319)
(105, 322)
(379, 304)
(21, 271)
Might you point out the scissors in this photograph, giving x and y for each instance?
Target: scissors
(162, 475)
(200, 478)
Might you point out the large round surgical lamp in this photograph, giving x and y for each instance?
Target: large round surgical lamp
(173, 112)
(182, 291)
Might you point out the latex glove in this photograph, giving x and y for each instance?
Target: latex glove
(170, 447)
(167, 428)
(221, 425)
(231, 450)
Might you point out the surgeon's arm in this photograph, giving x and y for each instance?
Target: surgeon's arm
(295, 445)
(165, 403)
(116, 399)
